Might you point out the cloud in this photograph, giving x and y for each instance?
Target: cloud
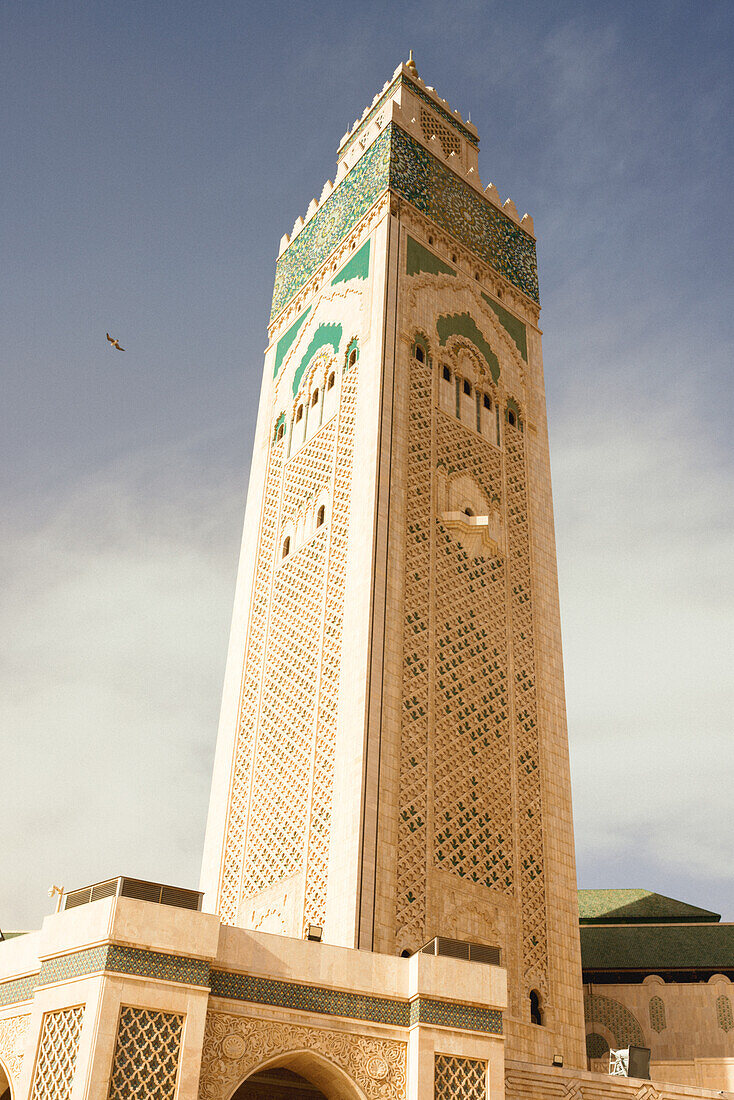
(117, 605)
(645, 533)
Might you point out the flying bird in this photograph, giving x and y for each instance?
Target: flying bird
(115, 343)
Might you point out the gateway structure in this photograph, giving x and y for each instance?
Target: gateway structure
(389, 866)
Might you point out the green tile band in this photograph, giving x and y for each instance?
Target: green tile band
(18, 990)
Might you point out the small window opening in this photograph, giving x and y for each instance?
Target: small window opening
(499, 293)
(320, 516)
(476, 275)
(453, 257)
(420, 354)
(353, 357)
(286, 546)
(280, 432)
(299, 413)
(446, 374)
(315, 398)
(430, 240)
(330, 383)
(405, 954)
(468, 511)
(511, 418)
(467, 386)
(486, 402)
(536, 1016)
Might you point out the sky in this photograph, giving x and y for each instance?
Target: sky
(153, 155)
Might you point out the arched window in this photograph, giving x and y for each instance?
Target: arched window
(331, 381)
(446, 372)
(476, 275)
(420, 353)
(486, 401)
(467, 387)
(286, 546)
(468, 511)
(315, 398)
(280, 432)
(430, 240)
(511, 418)
(536, 1016)
(352, 357)
(299, 413)
(453, 257)
(321, 516)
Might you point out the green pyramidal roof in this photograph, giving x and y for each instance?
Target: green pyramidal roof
(638, 907)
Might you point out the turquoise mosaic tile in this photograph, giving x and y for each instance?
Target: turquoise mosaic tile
(396, 160)
(425, 1010)
(309, 998)
(357, 268)
(17, 990)
(125, 960)
(325, 336)
(418, 258)
(347, 203)
(511, 324)
(454, 205)
(284, 344)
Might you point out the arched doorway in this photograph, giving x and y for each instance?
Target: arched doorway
(5, 1092)
(277, 1083)
(298, 1075)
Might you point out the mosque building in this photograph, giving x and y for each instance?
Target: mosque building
(388, 904)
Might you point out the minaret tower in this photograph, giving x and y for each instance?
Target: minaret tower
(392, 760)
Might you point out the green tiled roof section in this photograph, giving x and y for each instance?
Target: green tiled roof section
(657, 947)
(418, 258)
(511, 324)
(346, 205)
(357, 268)
(463, 212)
(286, 340)
(623, 906)
(17, 990)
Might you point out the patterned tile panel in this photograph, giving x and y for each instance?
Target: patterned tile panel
(459, 1078)
(616, 1017)
(17, 990)
(425, 1010)
(460, 210)
(308, 998)
(125, 960)
(146, 1055)
(58, 1048)
(348, 202)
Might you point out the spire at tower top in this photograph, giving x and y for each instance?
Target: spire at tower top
(411, 66)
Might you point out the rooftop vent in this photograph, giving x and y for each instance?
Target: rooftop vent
(135, 888)
(460, 949)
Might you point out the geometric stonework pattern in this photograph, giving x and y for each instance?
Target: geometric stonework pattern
(724, 1015)
(616, 1017)
(57, 1054)
(235, 1046)
(13, 1031)
(460, 1078)
(146, 1055)
(657, 1014)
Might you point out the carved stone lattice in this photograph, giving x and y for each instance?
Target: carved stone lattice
(13, 1032)
(279, 820)
(414, 734)
(146, 1055)
(529, 838)
(657, 1014)
(235, 1046)
(724, 1015)
(459, 1078)
(473, 836)
(57, 1053)
(230, 884)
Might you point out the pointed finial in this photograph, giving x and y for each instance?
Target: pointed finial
(410, 65)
